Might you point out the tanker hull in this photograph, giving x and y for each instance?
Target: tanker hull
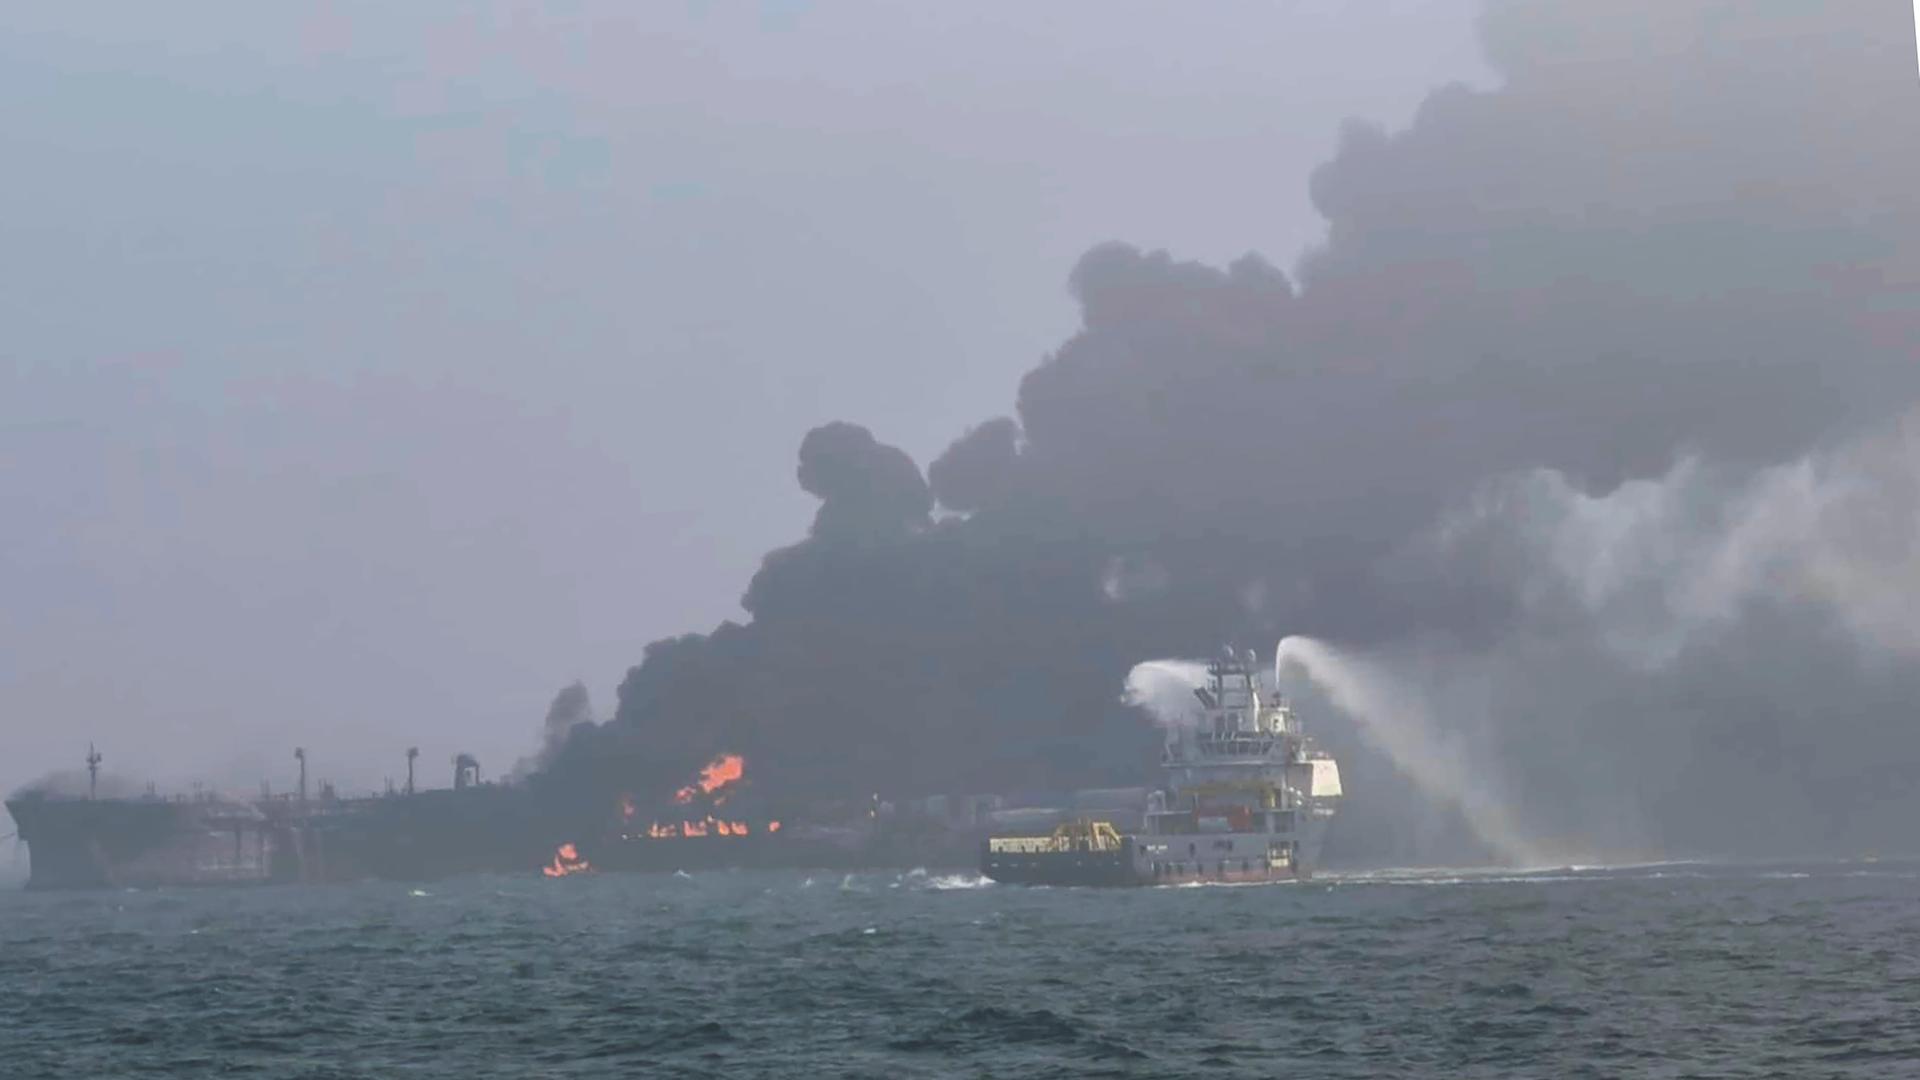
(75, 843)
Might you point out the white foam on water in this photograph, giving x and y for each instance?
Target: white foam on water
(920, 879)
(1227, 884)
(947, 882)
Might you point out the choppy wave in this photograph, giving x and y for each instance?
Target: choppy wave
(1793, 970)
(1672, 869)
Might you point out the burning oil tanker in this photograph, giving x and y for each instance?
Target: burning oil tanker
(714, 822)
(86, 841)
(1249, 786)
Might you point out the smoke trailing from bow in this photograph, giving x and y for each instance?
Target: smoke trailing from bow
(1588, 427)
(76, 783)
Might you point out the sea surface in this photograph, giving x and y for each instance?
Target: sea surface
(1655, 971)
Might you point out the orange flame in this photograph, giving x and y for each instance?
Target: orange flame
(716, 774)
(566, 860)
(708, 826)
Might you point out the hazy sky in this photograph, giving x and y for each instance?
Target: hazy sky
(368, 371)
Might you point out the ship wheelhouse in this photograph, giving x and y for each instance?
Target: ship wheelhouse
(1239, 780)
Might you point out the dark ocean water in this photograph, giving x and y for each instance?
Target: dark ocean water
(1675, 970)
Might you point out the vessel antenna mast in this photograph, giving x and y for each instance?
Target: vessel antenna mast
(93, 770)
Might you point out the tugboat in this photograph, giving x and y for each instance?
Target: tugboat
(1248, 798)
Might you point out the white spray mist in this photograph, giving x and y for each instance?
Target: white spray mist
(1393, 714)
(1165, 689)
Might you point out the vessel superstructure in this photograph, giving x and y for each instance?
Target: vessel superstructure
(1247, 798)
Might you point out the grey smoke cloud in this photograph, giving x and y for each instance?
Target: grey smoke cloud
(1582, 430)
(369, 370)
(1656, 564)
(864, 487)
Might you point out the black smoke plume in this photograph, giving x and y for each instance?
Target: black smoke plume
(1559, 330)
(571, 707)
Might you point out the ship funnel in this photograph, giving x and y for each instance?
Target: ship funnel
(466, 771)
